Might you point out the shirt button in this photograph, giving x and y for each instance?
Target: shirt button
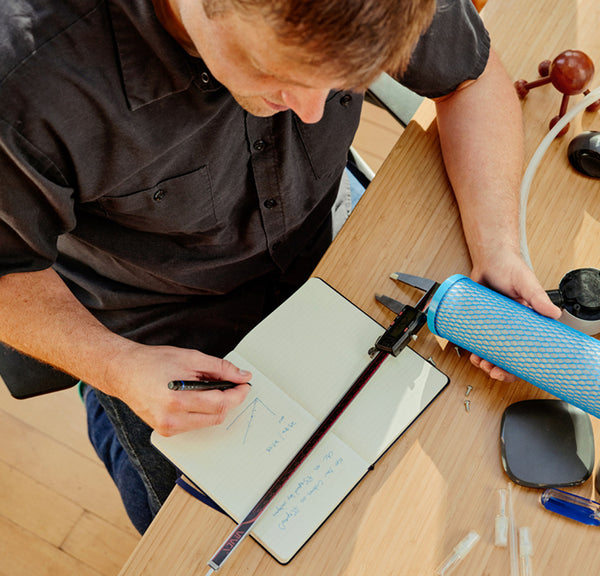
(204, 78)
(270, 203)
(346, 100)
(159, 195)
(259, 145)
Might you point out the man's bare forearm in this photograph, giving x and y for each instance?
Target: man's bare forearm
(42, 318)
(482, 141)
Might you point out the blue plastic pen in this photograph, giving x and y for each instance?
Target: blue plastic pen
(572, 506)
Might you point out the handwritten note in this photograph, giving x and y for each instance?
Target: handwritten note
(325, 478)
(304, 488)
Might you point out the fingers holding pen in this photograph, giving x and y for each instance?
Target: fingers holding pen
(186, 410)
(219, 387)
(168, 411)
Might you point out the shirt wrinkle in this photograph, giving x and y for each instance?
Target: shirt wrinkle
(20, 42)
(43, 164)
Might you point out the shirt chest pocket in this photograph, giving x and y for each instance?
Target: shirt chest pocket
(183, 204)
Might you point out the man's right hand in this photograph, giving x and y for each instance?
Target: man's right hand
(142, 373)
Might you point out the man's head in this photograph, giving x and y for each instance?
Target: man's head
(275, 55)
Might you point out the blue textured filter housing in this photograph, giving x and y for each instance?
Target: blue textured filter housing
(542, 351)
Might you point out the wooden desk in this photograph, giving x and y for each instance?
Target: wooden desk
(440, 480)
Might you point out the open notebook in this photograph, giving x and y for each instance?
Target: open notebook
(303, 357)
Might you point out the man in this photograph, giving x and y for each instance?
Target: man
(169, 172)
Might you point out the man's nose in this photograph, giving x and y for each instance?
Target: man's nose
(307, 103)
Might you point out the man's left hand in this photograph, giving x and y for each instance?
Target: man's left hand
(511, 276)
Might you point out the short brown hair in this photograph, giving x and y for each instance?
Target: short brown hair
(361, 38)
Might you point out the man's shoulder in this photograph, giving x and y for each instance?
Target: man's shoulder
(27, 25)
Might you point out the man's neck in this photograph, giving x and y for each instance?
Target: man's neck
(168, 16)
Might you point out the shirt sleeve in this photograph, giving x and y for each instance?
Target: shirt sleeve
(455, 48)
(36, 205)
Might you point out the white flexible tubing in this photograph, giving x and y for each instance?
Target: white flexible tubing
(535, 162)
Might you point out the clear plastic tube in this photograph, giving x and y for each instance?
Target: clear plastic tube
(514, 559)
(457, 555)
(525, 551)
(501, 523)
(535, 162)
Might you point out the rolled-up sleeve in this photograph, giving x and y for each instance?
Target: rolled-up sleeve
(453, 50)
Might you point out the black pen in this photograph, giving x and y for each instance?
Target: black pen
(203, 384)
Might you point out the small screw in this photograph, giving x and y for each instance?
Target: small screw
(430, 360)
(469, 388)
(467, 405)
(457, 351)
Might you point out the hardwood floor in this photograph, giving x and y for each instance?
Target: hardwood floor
(60, 513)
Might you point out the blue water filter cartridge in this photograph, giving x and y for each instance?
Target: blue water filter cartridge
(539, 350)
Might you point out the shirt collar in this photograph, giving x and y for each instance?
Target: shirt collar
(153, 65)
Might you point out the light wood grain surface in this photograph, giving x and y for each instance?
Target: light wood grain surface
(440, 480)
(60, 513)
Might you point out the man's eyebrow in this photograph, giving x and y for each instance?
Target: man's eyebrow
(337, 85)
(271, 74)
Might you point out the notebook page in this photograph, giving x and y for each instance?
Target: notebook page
(313, 346)
(398, 392)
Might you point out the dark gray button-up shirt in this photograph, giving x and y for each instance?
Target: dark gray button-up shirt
(125, 165)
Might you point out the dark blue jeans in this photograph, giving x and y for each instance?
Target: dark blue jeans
(141, 501)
